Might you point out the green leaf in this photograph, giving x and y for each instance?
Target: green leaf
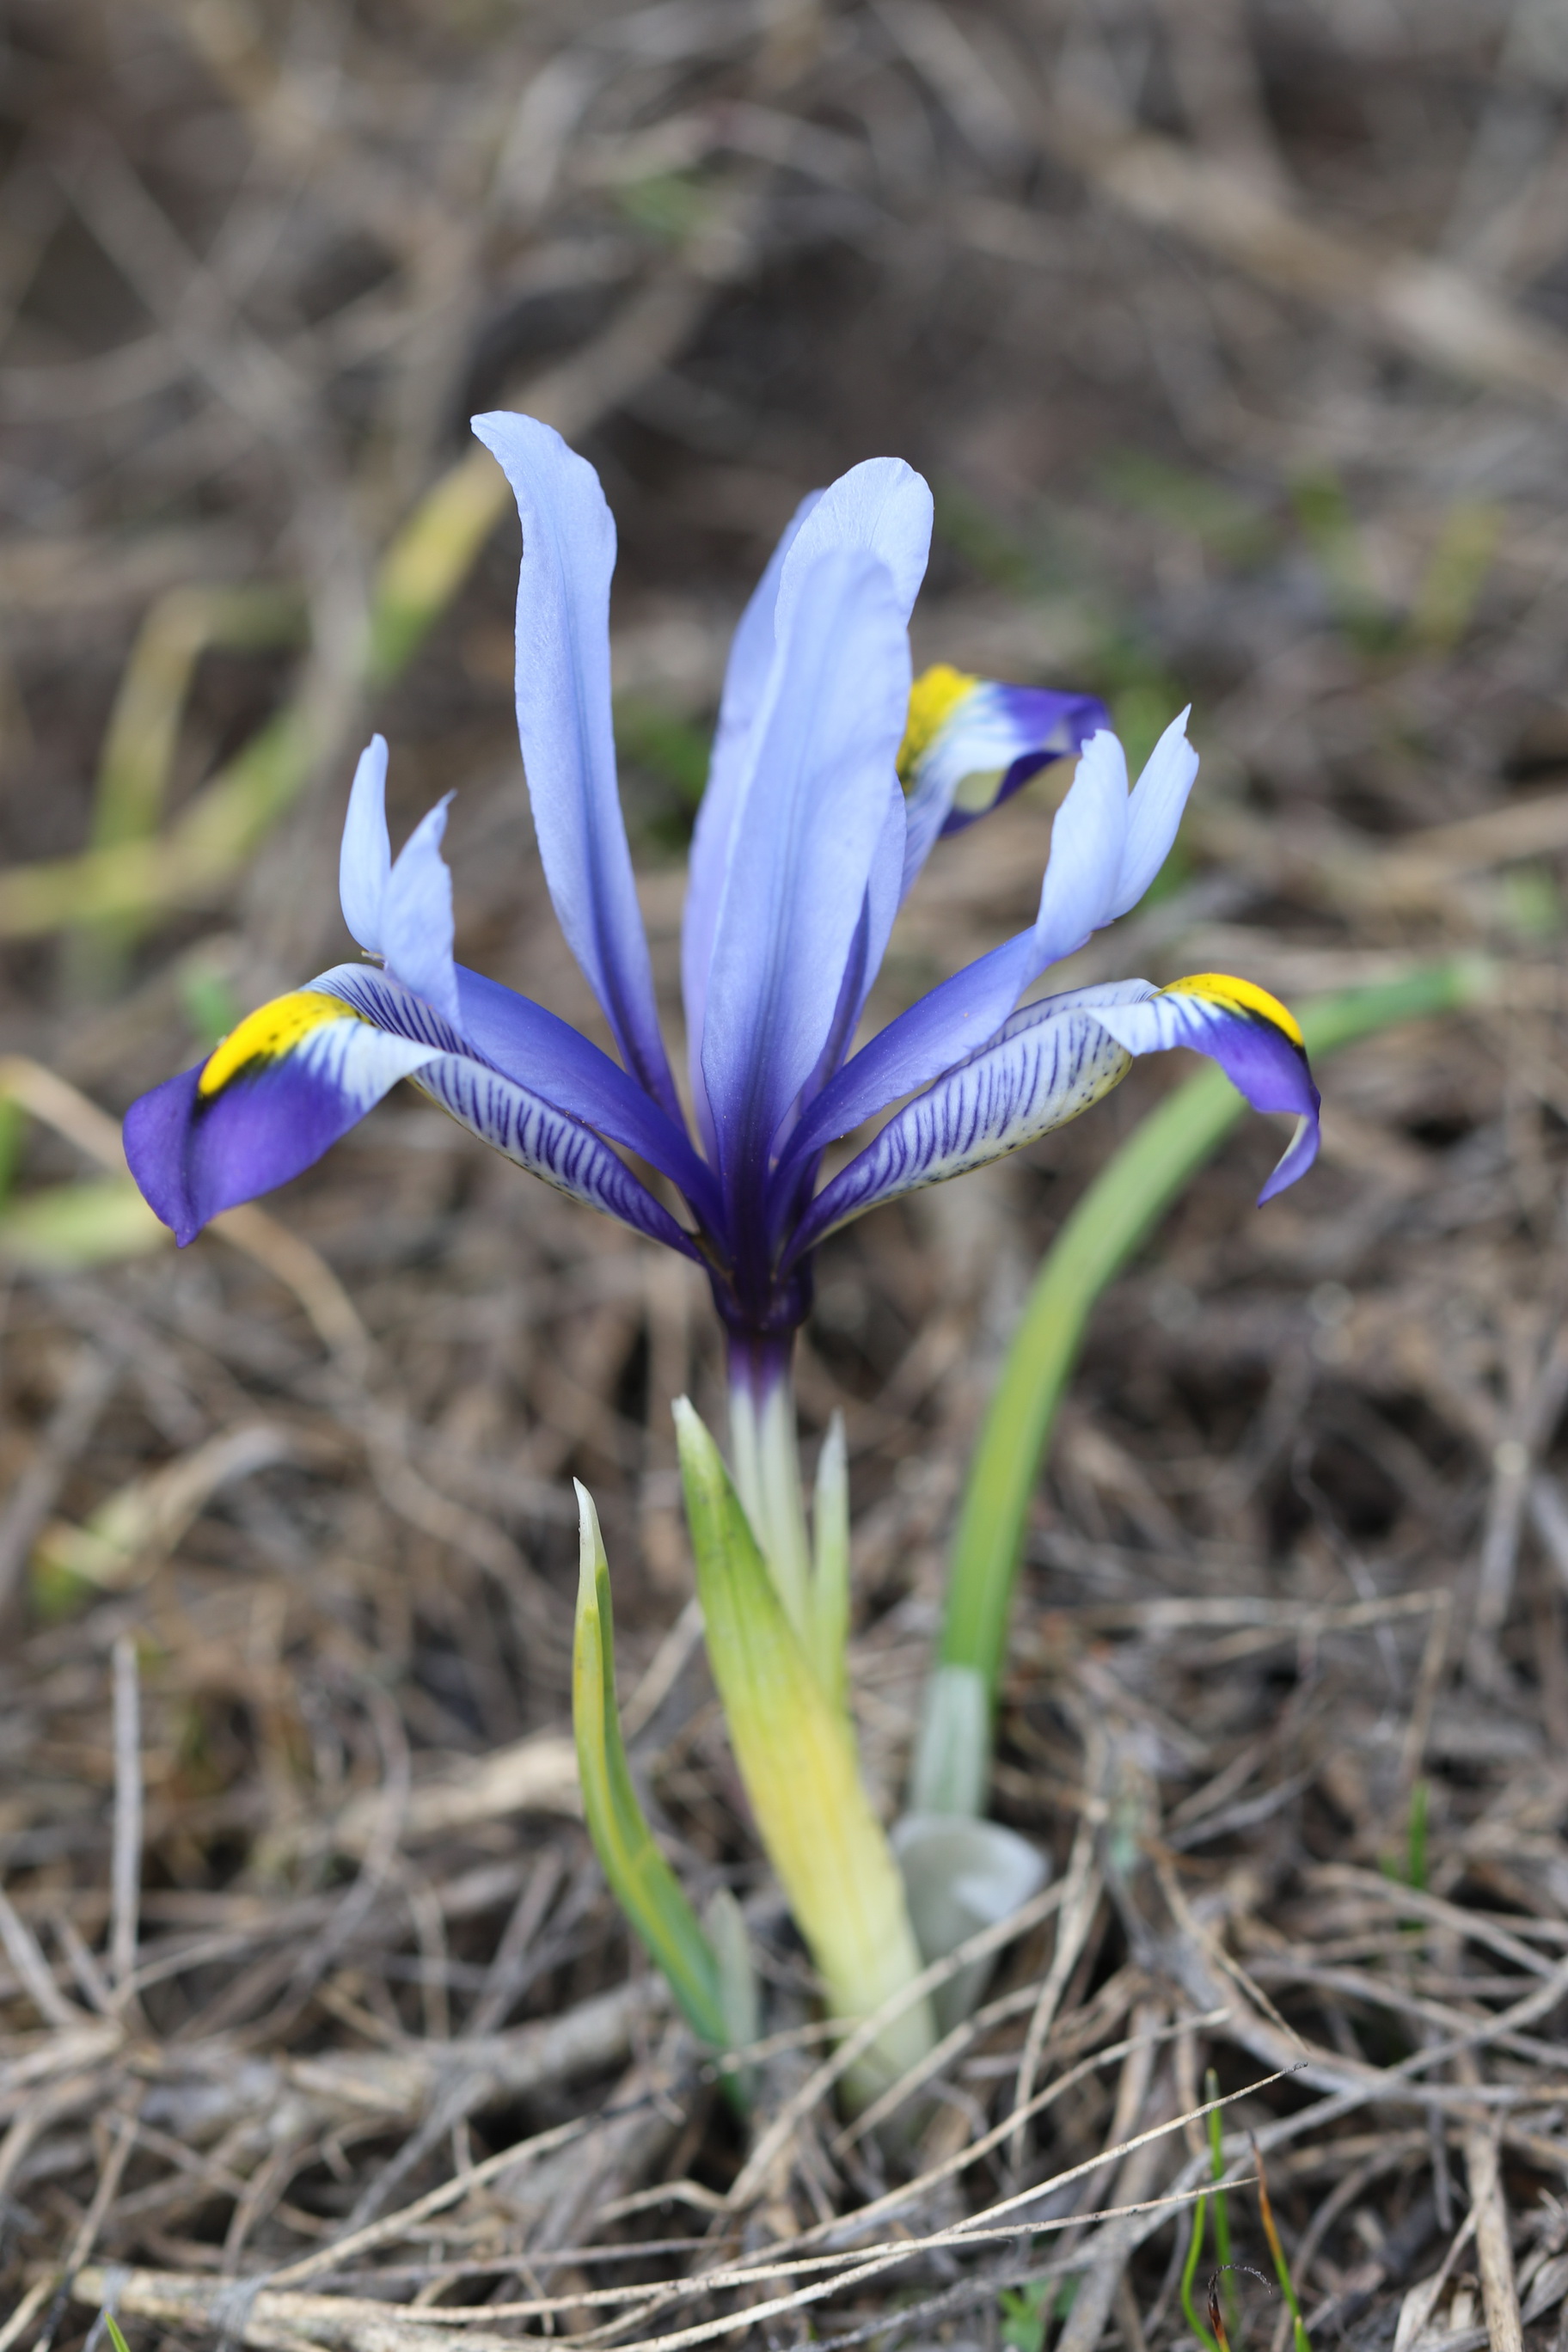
(640, 1879)
(796, 1751)
(828, 1615)
(1110, 1222)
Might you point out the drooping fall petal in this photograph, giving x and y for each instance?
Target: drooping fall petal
(1254, 1038)
(299, 1072)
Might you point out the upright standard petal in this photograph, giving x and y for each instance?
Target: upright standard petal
(1098, 854)
(817, 797)
(1051, 1062)
(417, 930)
(565, 729)
(1089, 838)
(1154, 811)
(1256, 1041)
(884, 509)
(282, 1086)
(746, 676)
(364, 861)
(971, 742)
(962, 1014)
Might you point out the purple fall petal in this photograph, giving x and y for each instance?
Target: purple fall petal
(194, 1155)
(519, 1124)
(1101, 840)
(1252, 1037)
(534, 1046)
(990, 739)
(298, 1073)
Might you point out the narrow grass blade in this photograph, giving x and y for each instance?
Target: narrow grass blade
(640, 1879)
(1189, 2274)
(139, 742)
(1415, 1838)
(431, 557)
(132, 877)
(1303, 2341)
(1114, 1217)
(137, 759)
(1221, 2205)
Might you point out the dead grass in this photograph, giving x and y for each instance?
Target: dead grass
(1235, 345)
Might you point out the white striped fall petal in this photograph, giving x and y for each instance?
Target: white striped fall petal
(1051, 1061)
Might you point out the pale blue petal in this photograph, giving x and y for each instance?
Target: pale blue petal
(365, 862)
(1089, 835)
(957, 1017)
(564, 726)
(1155, 812)
(1083, 876)
(416, 916)
(993, 741)
(1051, 1061)
(883, 507)
(814, 815)
(745, 685)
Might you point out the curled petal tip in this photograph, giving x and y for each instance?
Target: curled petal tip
(282, 1086)
(1297, 1160)
(1256, 1040)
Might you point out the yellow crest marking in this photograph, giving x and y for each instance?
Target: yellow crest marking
(269, 1034)
(933, 699)
(1241, 996)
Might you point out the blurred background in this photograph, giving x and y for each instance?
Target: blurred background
(1234, 341)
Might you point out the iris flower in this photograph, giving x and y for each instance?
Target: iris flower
(831, 782)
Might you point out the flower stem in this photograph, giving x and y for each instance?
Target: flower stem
(765, 1453)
